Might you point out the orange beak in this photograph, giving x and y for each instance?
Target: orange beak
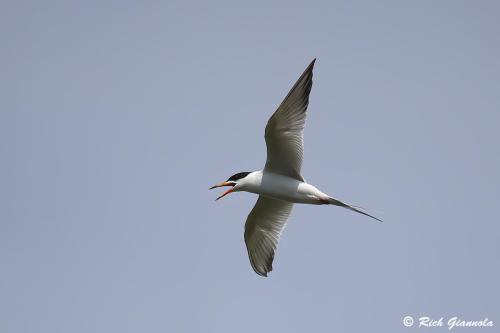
(224, 184)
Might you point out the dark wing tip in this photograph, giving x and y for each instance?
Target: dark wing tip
(306, 76)
(302, 86)
(310, 67)
(260, 269)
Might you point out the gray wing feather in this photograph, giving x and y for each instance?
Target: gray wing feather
(263, 229)
(284, 130)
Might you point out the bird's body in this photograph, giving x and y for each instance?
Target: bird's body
(276, 186)
(280, 184)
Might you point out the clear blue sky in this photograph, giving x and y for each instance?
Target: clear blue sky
(116, 117)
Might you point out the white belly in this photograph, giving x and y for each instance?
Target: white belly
(284, 188)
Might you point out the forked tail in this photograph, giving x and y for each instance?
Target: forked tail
(336, 202)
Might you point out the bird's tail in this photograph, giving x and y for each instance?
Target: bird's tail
(336, 202)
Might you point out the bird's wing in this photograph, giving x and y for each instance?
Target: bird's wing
(263, 229)
(284, 130)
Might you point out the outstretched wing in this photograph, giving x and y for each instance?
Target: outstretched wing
(263, 229)
(284, 130)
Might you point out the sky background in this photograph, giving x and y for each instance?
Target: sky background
(116, 117)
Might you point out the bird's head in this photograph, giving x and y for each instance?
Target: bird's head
(235, 181)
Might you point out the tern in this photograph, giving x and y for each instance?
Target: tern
(280, 184)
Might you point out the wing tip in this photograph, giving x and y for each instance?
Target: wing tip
(263, 274)
(311, 66)
(261, 270)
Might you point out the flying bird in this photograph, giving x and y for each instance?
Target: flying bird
(280, 184)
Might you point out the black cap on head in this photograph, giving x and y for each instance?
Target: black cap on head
(237, 176)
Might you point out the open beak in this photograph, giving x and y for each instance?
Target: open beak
(224, 184)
